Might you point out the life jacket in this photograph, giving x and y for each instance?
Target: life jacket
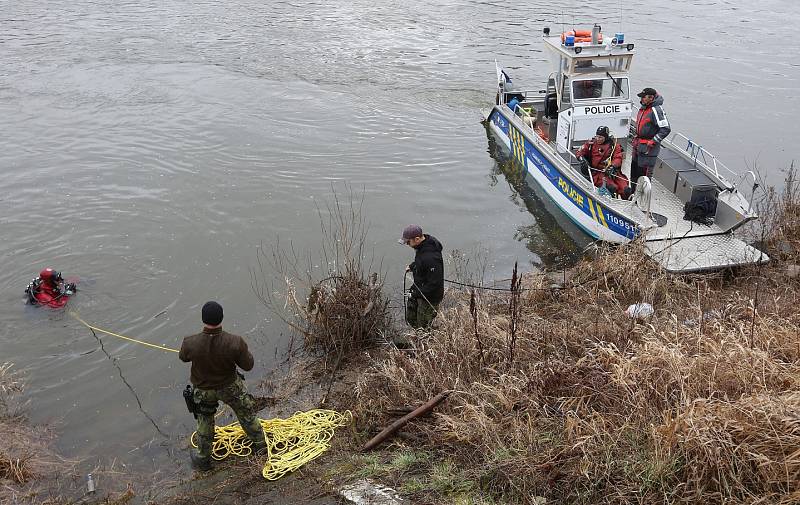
(651, 122)
(603, 155)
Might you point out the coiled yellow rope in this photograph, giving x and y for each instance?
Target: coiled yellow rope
(291, 443)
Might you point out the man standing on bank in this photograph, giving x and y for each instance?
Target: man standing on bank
(651, 128)
(427, 290)
(214, 355)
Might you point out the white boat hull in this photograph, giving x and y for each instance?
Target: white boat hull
(585, 210)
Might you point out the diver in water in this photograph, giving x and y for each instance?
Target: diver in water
(49, 289)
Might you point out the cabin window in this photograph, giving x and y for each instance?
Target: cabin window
(612, 63)
(587, 89)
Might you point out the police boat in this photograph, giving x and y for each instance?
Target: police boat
(588, 87)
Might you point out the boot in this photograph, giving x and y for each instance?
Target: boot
(259, 448)
(199, 463)
(628, 193)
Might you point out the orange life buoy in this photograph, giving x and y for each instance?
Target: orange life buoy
(580, 35)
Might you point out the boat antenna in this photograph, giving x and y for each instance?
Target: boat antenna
(620, 17)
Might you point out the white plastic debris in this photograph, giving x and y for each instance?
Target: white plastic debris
(366, 492)
(640, 311)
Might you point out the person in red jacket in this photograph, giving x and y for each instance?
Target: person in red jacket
(602, 156)
(652, 127)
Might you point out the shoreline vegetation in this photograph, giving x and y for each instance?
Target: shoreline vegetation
(30, 470)
(555, 394)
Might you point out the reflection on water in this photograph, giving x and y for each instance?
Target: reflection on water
(552, 239)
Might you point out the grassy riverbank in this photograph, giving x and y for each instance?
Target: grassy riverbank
(30, 471)
(559, 396)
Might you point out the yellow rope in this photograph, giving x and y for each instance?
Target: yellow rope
(291, 443)
(95, 328)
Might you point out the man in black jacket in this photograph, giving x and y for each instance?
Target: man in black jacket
(427, 290)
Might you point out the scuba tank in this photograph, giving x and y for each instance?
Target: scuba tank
(32, 289)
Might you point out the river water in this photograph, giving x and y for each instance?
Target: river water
(150, 147)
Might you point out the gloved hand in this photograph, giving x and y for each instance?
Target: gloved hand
(584, 165)
(649, 142)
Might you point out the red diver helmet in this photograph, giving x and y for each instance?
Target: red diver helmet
(50, 276)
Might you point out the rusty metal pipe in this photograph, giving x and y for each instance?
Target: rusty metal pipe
(387, 432)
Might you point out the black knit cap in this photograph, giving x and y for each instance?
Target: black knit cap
(212, 313)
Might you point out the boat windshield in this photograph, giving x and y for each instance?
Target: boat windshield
(586, 89)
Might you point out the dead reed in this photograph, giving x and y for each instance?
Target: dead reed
(335, 300)
(559, 394)
(28, 467)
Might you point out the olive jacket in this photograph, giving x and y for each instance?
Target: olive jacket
(214, 355)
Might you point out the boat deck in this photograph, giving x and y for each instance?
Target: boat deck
(678, 245)
(707, 252)
(667, 204)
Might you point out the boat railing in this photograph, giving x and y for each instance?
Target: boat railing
(700, 155)
(525, 113)
(527, 94)
(703, 158)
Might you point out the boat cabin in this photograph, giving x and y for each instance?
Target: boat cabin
(588, 87)
(686, 210)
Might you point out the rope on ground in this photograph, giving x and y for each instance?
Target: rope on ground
(565, 287)
(101, 330)
(291, 443)
(492, 288)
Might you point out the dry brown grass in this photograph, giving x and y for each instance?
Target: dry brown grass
(10, 387)
(698, 404)
(332, 299)
(17, 456)
(28, 467)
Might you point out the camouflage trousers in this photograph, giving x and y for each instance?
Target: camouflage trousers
(419, 313)
(234, 395)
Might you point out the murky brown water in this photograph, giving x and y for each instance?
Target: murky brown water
(149, 147)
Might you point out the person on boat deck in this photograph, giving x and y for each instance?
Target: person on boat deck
(515, 100)
(651, 128)
(603, 155)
